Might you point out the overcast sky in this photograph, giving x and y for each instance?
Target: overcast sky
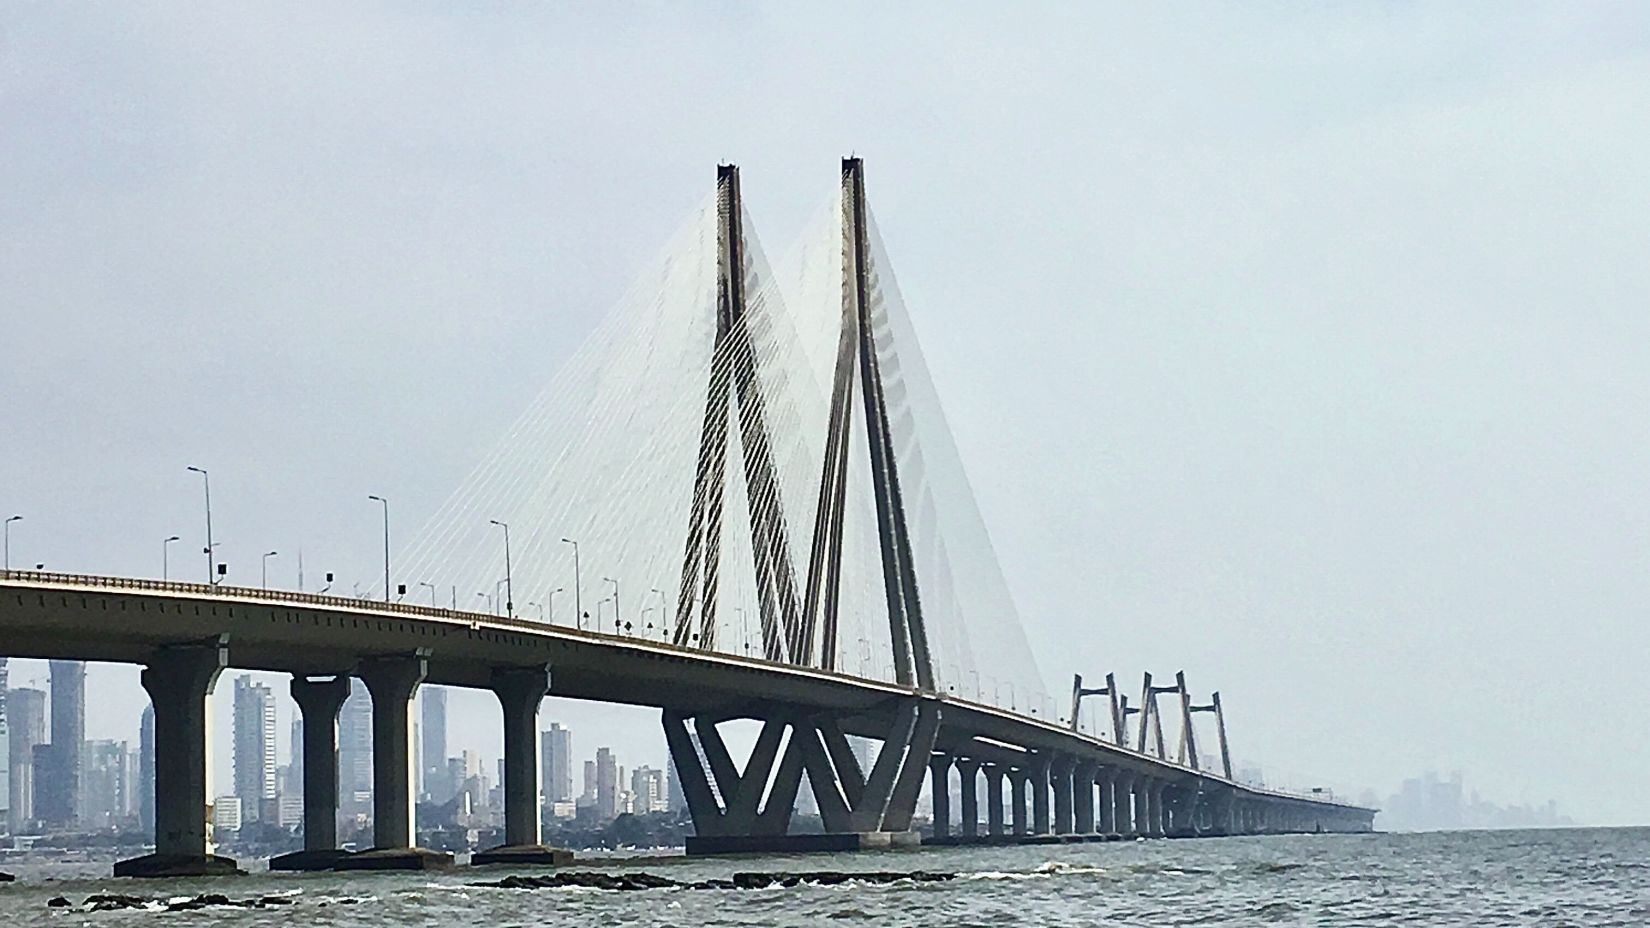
(1302, 346)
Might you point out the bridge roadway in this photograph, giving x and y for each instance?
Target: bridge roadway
(185, 634)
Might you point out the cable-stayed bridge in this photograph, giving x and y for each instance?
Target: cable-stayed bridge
(739, 500)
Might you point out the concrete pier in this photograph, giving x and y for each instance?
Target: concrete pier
(520, 690)
(1106, 806)
(994, 800)
(939, 768)
(1017, 780)
(1060, 778)
(1122, 800)
(319, 702)
(178, 680)
(1082, 796)
(393, 681)
(969, 770)
(1039, 785)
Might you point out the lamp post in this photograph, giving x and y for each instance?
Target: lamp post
(8, 539)
(432, 591)
(664, 613)
(386, 504)
(264, 570)
(616, 615)
(552, 600)
(578, 605)
(489, 599)
(509, 588)
(211, 558)
(165, 559)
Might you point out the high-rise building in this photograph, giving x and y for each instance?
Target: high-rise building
(647, 791)
(355, 751)
(607, 784)
(26, 727)
(432, 746)
(556, 756)
(146, 771)
(254, 748)
(587, 797)
(105, 785)
(57, 780)
(295, 770)
(5, 745)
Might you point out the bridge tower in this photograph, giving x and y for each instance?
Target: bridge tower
(734, 378)
(750, 809)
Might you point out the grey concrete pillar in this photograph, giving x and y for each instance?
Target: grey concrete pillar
(939, 785)
(319, 701)
(1155, 819)
(969, 771)
(1017, 780)
(392, 681)
(520, 690)
(178, 681)
(1082, 797)
(1039, 785)
(1142, 806)
(1107, 806)
(1122, 800)
(1060, 777)
(994, 800)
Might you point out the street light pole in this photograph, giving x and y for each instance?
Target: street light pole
(616, 615)
(386, 504)
(552, 601)
(265, 573)
(8, 539)
(509, 588)
(432, 591)
(165, 559)
(211, 558)
(578, 584)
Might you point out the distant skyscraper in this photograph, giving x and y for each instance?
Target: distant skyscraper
(146, 771)
(355, 751)
(556, 754)
(647, 791)
(26, 724)
(588, 795)
(105, 782)
(432, 735)
(254, 748)
(295, 770)
(5, 745)
(607, 784)
(58, 781)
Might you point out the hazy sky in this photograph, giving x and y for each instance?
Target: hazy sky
(1303, 346)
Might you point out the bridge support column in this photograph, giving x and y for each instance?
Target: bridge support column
(1142, 806)
(969, 770)
(1017, 800)
(318, 701)
(1060, 776)
(393, 681)
(1122, 799)
(1107, 823)
(994, 800)
(520, 690)
(1155, 818)
(1082, 795)
(178, 681)
(1039, 781)
(939, 769)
